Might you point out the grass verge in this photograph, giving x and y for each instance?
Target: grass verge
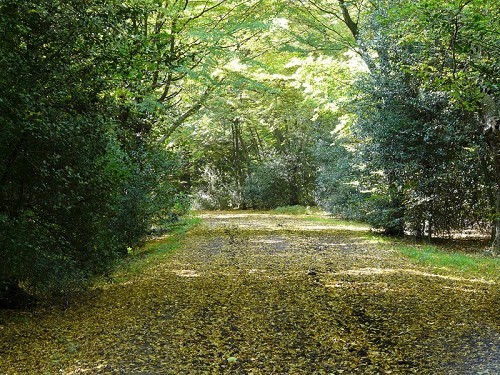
(296, 210)
(334, 221)
(154, 249)
(465, 264)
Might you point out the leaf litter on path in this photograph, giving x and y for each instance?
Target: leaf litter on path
(251, 293)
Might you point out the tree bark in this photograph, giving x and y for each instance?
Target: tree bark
(350, 23)
(238, 157)
(495, 146)
(495, 246)
(491, 128)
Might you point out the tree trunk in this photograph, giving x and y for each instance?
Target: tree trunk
(491, 123)
(495, 247)
(239, 159)
(429, 230)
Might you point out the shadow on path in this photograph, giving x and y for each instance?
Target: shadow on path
(269, 294)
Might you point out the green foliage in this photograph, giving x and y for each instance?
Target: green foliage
(337, 185)
(56, 185)
(152, 196)
(268, 186)
(279, 181)
(408, 140)
(112, 113)
(76, 188)
(217, 190)
(455, 46)
(255, 151)
(415, 159)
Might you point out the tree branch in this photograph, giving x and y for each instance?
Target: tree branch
(353, 26)
(190, 112)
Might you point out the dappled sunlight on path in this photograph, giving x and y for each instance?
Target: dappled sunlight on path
(254, 293)
(275, 222)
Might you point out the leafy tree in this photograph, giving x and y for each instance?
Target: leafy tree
(416, 139)
(172, 57)
(407, 140)
(457, 46)
(79, 183)
(112, 112)
(59, 171)
(261, 150)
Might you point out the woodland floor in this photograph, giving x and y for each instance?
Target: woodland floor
(250, 293)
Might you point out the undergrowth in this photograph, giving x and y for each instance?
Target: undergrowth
(154, 249)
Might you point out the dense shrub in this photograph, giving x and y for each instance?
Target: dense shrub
(268, 186)
(395, 168)
(75, 191)
(281, 180)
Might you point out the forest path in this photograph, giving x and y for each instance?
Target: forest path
(251, 293)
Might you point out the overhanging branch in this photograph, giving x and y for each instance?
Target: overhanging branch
(190, 112)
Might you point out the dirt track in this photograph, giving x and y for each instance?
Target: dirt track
(269, 294)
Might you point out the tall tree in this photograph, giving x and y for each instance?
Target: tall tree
(456, 44)
(420, 54)
(59, 171)
(169, 54)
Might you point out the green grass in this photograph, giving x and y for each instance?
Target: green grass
(334, 221)
(153, 250)
(296, 210)
(464, 264)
